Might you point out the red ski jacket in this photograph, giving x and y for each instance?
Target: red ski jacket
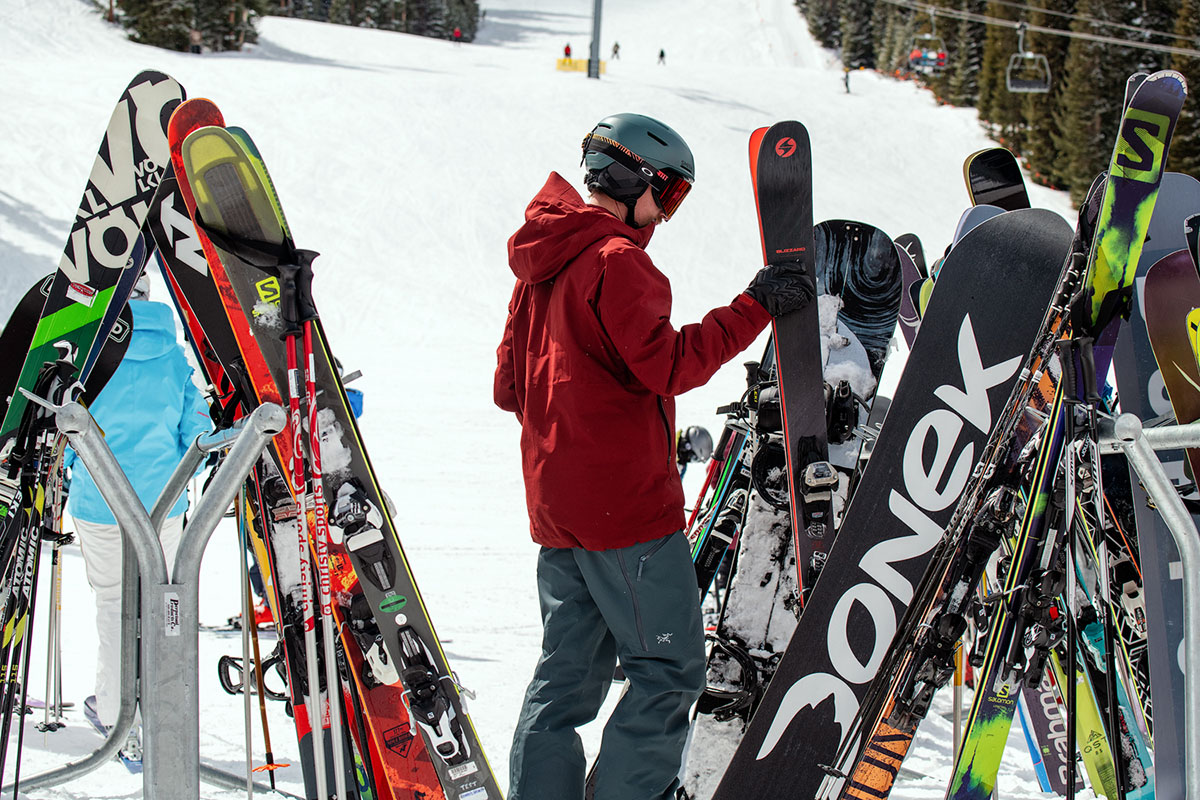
(590, 364)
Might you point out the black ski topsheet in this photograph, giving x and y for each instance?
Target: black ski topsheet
(859, 263)
(912, 245)
(978, 330)
(994, 178)
(910, 320)
(781, 166)
(118, 194)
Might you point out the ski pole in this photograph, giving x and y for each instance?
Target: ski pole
(301, 289)
(262, 705)
(247, 620)
(313, 701)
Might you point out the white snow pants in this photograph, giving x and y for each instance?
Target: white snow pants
(102, 548)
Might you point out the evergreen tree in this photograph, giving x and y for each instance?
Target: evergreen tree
(463, 14)
(946, 30)
(227, 24)
(160, 23)
(899, 42)
(1089, 109)
(883, 31)
(428, 18)
(1155, 15)
(857, 45)
(998, 106)
(966, 57)
(343, 12)
(1184, 155)
(1040, 150)
(824, 21)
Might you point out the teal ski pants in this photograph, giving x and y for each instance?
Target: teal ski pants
(637, 603)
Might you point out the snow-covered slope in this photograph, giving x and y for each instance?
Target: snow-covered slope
(408, 162)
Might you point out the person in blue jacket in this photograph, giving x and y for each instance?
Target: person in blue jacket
(150, 412)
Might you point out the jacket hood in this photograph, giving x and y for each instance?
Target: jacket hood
(559, 226)
(154, 327)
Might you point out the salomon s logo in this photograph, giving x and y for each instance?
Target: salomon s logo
(1141, 146)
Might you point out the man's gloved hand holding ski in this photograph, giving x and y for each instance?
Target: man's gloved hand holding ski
(782, 288)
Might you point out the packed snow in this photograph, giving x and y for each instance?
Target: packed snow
(408, 162)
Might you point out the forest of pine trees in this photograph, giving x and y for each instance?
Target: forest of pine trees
(228, 24)
(1064, 136)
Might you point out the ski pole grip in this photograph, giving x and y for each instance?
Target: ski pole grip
(1087, 366)
(1066, 358)
(289, 302)
(304, 278)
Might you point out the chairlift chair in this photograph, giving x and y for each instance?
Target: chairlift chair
(1028, 72)
(927, 54)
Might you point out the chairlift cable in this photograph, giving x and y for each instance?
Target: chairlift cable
(1099, 23)
(916, 5)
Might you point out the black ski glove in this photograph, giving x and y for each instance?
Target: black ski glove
(782, 288)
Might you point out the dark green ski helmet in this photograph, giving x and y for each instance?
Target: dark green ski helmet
(625, 153)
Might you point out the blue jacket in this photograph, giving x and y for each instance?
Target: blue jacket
(150, 412)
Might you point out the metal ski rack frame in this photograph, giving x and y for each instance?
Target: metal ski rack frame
(170, 652)
(1126, 435)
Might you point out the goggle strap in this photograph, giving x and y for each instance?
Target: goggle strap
(596, 143)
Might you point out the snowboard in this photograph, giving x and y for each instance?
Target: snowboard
(994, 178)
(960, 373)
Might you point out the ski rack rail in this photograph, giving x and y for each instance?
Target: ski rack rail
(1127, 435)
(170, 652)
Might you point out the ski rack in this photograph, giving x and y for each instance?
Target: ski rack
(1127, 435)
(169, 606)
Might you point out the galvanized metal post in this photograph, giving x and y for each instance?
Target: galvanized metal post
(594, 55)
(170, 604)
(1138, 444)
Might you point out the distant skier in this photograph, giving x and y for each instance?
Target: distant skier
(616, 51)
(195, 41)
(590, 365)
(457, 35)
(567, 51)
(662, 56)
(150, 412)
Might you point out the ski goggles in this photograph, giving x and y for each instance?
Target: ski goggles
(667, 188)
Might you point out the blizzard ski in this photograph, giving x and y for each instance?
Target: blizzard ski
(781, 169)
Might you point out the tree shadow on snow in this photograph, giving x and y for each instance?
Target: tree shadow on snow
(21, 267)
(708, 98)
(510, 27)
(269, 51)
(30, 220)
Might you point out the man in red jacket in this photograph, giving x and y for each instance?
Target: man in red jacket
(590, 364)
